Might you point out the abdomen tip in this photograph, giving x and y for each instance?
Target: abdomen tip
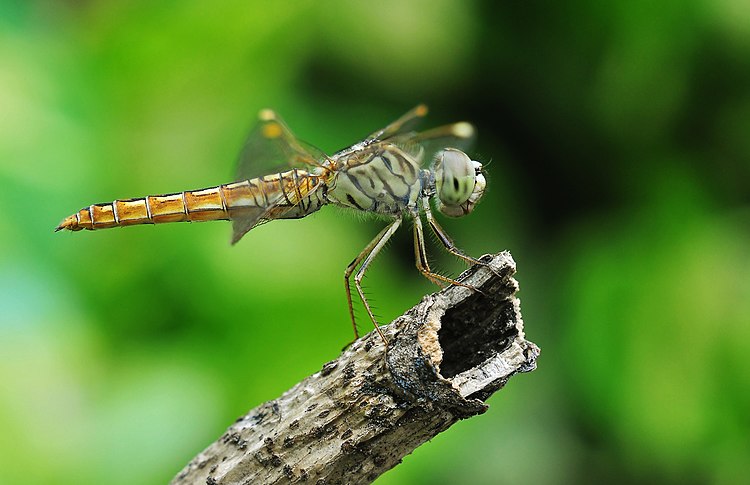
(70, 223)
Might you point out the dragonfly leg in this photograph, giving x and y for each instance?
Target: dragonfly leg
(421, 259)
(368, 254)
(445, 240)
(420, 253)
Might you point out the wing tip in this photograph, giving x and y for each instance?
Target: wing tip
(463, 129)
(266, 114)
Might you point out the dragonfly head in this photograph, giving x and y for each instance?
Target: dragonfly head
(458, 181)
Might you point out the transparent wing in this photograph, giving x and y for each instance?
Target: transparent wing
(271, 146)
(426, 144)
(245, 219)
(405, 124)
(459, 135)
(272, 199)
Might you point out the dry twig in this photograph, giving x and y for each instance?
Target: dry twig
(363, 412)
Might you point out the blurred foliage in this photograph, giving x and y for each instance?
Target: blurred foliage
(618, 142)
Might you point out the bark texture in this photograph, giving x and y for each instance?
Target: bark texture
(363, 412)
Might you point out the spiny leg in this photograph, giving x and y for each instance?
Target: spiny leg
(350, 269)
(368, 254)
(446, 241)
(421, 259)
(420, 252)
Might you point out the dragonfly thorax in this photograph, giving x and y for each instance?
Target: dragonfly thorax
(383, 179)
(459, 182)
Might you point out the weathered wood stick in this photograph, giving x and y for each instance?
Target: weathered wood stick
(363, 412)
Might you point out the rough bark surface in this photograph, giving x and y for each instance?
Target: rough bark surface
(363, 412)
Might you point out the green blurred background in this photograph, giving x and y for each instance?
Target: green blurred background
(618, 142)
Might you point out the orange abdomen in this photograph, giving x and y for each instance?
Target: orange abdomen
(201, 205)
(215, 203)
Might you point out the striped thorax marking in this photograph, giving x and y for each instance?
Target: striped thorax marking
(384, 180)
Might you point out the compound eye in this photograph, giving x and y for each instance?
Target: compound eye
(455, 177)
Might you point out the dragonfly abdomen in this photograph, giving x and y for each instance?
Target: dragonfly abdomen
(277, 193)
(198, 205)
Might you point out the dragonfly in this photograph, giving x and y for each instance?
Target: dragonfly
(395, 172)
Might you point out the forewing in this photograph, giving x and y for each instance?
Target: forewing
(424, 145)
(271, 147)
(405, 124)
(427, 144)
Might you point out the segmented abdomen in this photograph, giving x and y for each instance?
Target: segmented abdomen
(277, 192)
